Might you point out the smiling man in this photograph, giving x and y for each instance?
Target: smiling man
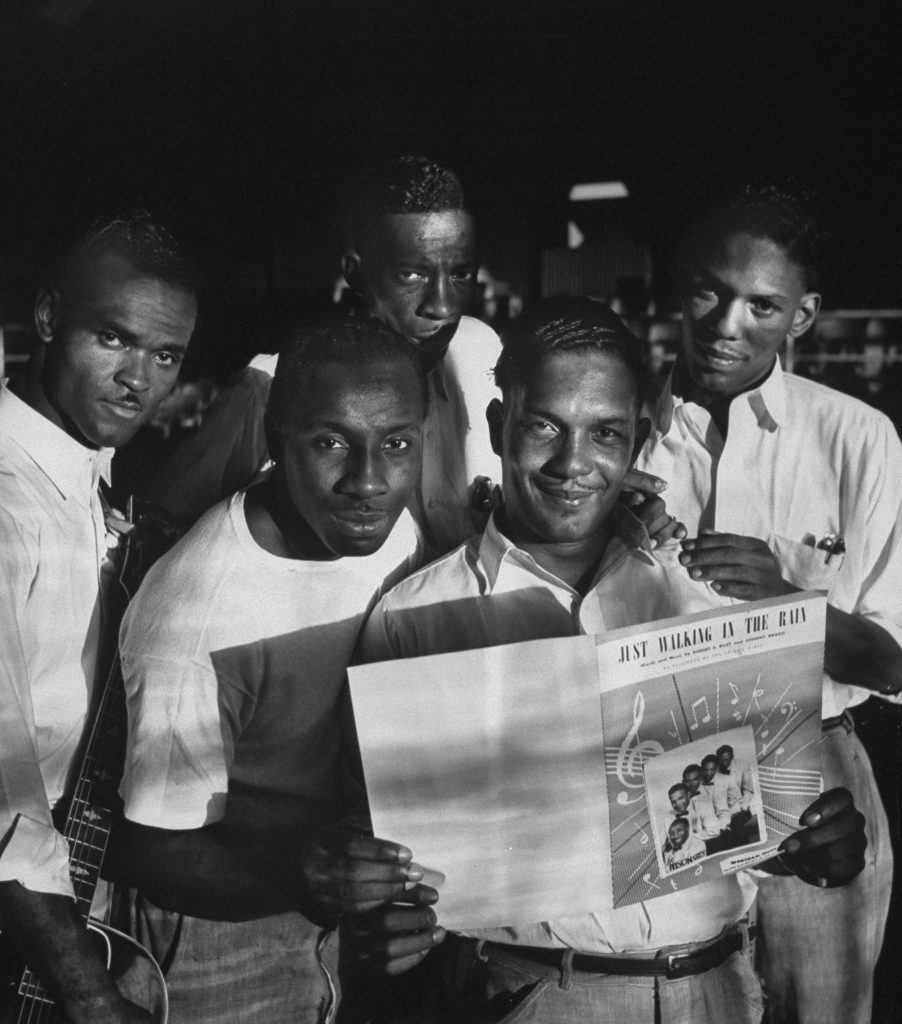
(561, 558)
(113, 323)
(787, 485)
(234, 655)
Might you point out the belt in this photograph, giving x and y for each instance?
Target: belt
(668, 965)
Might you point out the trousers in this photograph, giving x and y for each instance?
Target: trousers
(817, 948)
(274, 970)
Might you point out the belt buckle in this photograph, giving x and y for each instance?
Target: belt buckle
(678, 966)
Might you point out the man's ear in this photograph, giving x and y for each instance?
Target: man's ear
(495, 415)
(350, 267)
(46, 314)
(643, 429)
(805, 314)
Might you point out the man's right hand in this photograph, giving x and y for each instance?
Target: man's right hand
(348, 872)
(392, 939)
(115, 1010)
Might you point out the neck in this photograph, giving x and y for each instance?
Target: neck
(573, 562)
(277, 526)
(30, 389)
(716, 402)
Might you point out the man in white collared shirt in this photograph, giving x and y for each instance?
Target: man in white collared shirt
(560, 559)
(113, 324)
(785, 485)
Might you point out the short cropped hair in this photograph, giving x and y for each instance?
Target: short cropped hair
(336, 339)
(674, 788)
(567, 325)
(691, 768)
(144, 240)
(709, 759)
(723, 750)
(786, 211)
(405, 184)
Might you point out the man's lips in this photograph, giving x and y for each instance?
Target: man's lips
(125, 406)
(715, 356)
(361, 520)
(568, 495)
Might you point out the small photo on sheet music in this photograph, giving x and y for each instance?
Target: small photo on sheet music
(704, 799)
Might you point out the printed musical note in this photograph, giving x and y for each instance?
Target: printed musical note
(706, 717)
(676, 729)
(735, 698)
(630, 759)
(644, 840)
(647, 879)
(698, 870)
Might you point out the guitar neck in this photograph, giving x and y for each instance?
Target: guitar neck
(95, 800)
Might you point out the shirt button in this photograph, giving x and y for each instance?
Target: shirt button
(431, 503)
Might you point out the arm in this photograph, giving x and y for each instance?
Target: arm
(227, 874)
(48, 935)
(641, 494)
(857, 650)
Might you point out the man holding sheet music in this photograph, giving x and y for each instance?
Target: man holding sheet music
(561, 558)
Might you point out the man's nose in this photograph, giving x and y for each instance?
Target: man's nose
(134, 371)
(439, 302)
(729, 319)
(572, 459)
(365, 477)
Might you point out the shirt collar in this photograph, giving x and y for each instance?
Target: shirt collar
(67, 464)
(496, 551)
(768, 401)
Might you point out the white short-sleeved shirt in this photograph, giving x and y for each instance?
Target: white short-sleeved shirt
(800, 462)
(490, 592)
(234, 661)
(53, 542)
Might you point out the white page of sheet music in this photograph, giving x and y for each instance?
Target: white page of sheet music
(489, 765)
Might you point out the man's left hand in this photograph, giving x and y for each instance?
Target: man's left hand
(829, 850)
(735, 566)
(641, 494)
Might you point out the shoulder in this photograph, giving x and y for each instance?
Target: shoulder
(816, 402)
(451, 576)
(471, 331)
(185, 577)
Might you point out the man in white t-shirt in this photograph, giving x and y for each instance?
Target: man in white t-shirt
(234, 655)
(561, 558)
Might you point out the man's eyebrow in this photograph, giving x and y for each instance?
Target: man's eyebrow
(344, 428)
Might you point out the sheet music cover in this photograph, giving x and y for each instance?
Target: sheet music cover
(681, 697)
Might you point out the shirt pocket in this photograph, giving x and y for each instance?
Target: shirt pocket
(804, 565)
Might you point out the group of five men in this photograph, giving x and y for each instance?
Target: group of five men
(245, 834)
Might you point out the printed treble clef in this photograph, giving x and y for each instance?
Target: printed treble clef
(631, 758)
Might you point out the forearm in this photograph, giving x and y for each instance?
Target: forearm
(861, 653)
(51, 939)
(212, 872)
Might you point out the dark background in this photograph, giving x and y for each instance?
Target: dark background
(240, 121)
